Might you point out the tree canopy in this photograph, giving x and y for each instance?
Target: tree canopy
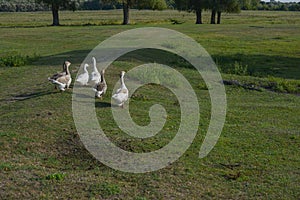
(140, 4)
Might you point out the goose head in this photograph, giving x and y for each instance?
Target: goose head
(122, 74)
(67, 64)
(85, 66)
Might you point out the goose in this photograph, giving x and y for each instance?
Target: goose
(101, 87)
(83, 78)
(121, 96)
(59, 74)
(63, 79)
(63, 73)
(95, 77)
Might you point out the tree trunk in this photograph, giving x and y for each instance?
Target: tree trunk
(213, 17)
(219, 17)
(198, 16)
(55, 15)
(125, 12)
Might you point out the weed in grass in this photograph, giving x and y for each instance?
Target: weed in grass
(105, 190)
(56, 176)
(261, 84)
(5, 167)
(140, 198)
(237, 68)
(232, 175)
(283, 85)
(203, 86)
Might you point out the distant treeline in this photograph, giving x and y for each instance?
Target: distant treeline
(31, 5)
(291, 6)
(21, 6)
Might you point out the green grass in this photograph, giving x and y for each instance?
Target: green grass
(256, 157)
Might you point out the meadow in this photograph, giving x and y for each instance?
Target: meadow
(257, 154)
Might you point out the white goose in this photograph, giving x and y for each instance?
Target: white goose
(121, 96)
(101, 87)
(63, 79)
(83, 78)
(95, 77)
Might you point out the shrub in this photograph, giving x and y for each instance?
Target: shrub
(283, 85)
(237, 68)
(15, 60)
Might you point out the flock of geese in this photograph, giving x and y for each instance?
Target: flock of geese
(62, 81)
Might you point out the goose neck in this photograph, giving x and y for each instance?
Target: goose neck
(122, 80)
(95, 65)
(67, 69)
(85, 68)
(102, 77)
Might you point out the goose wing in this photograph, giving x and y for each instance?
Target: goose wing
(121, 95)
(58, 75)
(102, 86)
(83, 78)
(64, 79)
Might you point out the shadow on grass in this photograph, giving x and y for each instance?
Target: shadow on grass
(73, 155)
(261, 65)
(24, 26)
(103, 105)
(257, 65)
(25, 96)
(74, 57)
(109, 23)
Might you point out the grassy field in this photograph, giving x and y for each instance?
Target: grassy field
(256, 157)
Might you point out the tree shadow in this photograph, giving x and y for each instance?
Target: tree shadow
(260, 65)
(76, 56)
(257, 65)
(25, 26)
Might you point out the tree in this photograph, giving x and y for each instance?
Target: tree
(249, 4)
(127, 4)
(156, 4)
(219, 6)
(192, 6)
(57, 4)
(91, 5)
